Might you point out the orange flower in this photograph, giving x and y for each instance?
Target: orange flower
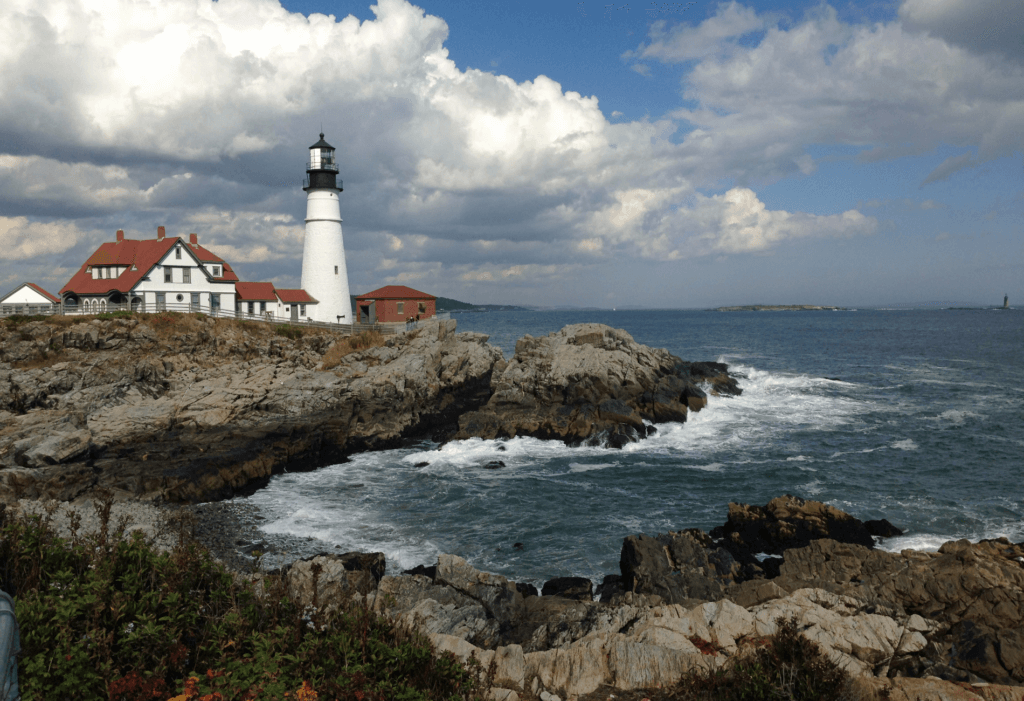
(306, 693)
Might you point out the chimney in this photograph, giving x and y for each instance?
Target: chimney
(160, 233)
(120, 235)
(193, 239)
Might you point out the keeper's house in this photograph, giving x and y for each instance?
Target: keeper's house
(151, 275)
(395, 304)
(28, 298)
(168, 273)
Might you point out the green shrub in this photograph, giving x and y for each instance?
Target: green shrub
(15, 320)
(119, 314)
(788, 666)
(110, 617)
(288, 331)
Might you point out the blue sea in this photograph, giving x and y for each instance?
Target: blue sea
(916, 416)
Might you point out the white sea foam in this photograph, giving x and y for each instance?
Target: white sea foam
(906, 444)
(799, 458)
(587, 467)
(925, 542)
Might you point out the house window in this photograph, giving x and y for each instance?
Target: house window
(168, 274)
(161, 301)
(214, 302)
(194, 303)
(400, 307)
(302, 310)
(263, 307)
(177, 253)
(186, 275)
(335, 270)
(216, 271)
(250, 307)
(179, 298)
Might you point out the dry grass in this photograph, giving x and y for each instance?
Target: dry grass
(351, 344)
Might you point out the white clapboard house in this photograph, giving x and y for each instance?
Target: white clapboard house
(169, 273)
(28, 298)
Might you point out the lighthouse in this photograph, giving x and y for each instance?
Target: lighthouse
(324, 275)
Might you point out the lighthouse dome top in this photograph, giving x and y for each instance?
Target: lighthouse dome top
(321, 143)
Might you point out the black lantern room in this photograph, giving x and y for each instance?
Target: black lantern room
(322, 169)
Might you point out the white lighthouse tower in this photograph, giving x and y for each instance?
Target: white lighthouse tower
(324, 275)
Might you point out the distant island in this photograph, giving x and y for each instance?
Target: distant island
(446, 304)
(781, 308)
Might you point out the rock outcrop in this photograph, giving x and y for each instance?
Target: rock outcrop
(592, 384)
(189, 408)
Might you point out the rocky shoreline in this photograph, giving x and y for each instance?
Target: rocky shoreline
(168, 415)
(912, 625)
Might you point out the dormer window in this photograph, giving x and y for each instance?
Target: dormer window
(216, 271)
(177, 253)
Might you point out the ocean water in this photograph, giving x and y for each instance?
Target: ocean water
(913, 416)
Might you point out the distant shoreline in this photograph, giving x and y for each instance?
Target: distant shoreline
(781, 308)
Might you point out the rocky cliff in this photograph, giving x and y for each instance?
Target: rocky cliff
(188, 408)
(592, 384)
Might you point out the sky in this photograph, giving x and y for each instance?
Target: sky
(559, 153)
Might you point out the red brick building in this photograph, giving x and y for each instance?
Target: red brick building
(394, 304)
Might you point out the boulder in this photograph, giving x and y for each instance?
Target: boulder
(577, 588)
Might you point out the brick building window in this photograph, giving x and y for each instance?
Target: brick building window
(400, 307)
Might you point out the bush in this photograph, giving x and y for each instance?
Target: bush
(119, 314)
(788, 666)
(109, 617)
(288, 332)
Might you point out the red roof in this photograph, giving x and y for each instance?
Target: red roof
(52, 297)
(255, 291)
(396, 292)
(295, 297)
(139, 257)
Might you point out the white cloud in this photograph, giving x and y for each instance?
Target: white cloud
(684, 42)
(23, 239)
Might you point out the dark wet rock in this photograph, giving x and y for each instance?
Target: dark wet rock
(423, 571)
(526, 589)
(494, 465)
(787, 522)
(576, 588)
(422, 464)
(881, 528)
(610, 586)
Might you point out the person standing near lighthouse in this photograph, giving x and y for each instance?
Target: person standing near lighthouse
(324, 275)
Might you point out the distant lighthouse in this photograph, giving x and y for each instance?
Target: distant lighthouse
(324, 275)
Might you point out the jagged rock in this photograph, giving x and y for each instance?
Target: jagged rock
(496, 594)
(577, 588)
(331, 580)
(591, 384)
(679, 567)
(786, 522)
